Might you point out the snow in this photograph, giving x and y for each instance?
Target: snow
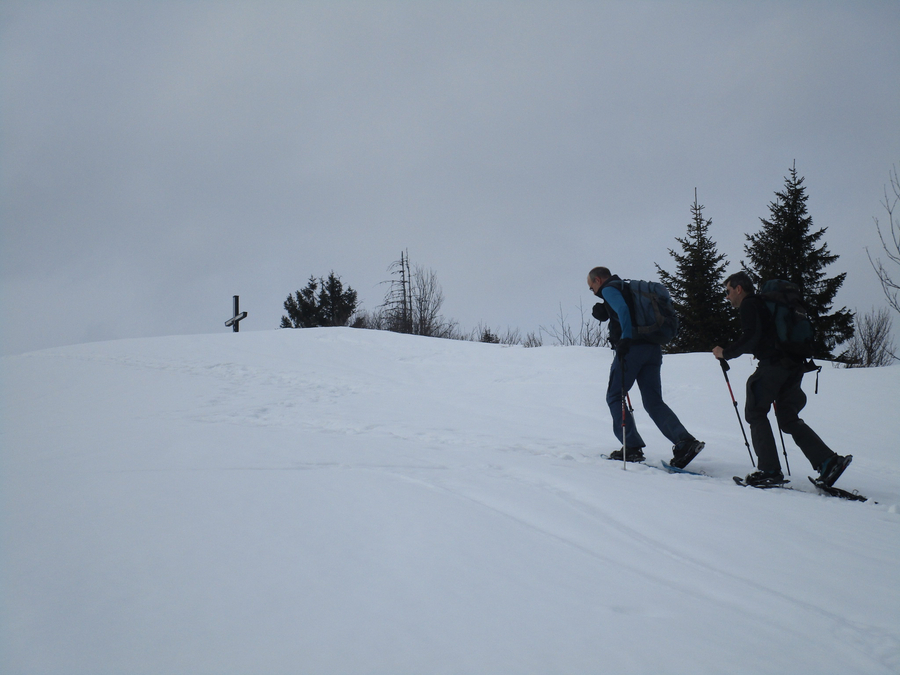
(349, 501)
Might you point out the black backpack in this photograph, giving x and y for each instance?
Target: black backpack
(653, 316)
(793, 328)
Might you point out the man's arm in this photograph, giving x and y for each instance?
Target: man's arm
(751, 331)
(618, 305)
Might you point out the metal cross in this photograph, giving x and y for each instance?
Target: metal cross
(238, 315)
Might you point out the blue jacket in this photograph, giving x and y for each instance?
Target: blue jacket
(617, 310)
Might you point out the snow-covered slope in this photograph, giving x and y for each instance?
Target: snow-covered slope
(346, 501)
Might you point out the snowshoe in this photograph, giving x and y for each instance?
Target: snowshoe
(675, 469)
(685, 451)
(763, 479)
(837, 492)
(832, 469)
(631, 455)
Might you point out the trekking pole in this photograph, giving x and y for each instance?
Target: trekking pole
(630, 407)
(624, 399)
(781, 433)
(725, 369)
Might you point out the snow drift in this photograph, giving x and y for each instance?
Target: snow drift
(347, 501)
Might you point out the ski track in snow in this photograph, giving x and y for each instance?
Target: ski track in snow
(515, 435)
(869, 640)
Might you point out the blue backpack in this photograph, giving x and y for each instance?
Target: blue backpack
(793, 328)
(653, 316)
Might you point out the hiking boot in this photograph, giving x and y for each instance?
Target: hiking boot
(631, 455)
(765, 479)
(832, 469)
(684, 451)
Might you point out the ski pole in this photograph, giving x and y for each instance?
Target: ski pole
(725, 369)
(630, 407)
(624, 399)
(781, 433)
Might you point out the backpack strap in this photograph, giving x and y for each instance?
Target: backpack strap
(810, 366)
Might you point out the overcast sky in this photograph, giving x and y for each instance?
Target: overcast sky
(157, 158)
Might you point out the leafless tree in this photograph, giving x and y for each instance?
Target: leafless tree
(413, 303)
(533, 340)
(427, 299)
(395, 314)
(512, 336)
(588, 333)
(871, 346)
(374, 320)
(890, 242)
(482, 333)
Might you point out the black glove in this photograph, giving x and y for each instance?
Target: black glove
(623, 348)
(599, 312)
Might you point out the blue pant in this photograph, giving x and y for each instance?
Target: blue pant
(642, 365)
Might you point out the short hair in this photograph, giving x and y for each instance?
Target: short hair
(599, 273)
(743, 280)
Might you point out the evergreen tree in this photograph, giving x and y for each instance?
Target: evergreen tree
(302, 308)
(323, 302)
(788, 248)
(335, 304)
(697, 290)
(488, 336)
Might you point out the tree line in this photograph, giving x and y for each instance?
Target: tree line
(787, 246)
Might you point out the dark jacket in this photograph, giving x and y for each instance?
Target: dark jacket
(758, 335)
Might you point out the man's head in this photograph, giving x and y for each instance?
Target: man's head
(737, 287)
(597, 277)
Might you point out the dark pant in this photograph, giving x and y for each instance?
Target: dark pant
(781, 386)
(642, 365)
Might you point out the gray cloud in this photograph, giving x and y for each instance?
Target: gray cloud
(159, 157)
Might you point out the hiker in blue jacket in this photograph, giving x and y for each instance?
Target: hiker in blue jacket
(636, 361)
(777, 381)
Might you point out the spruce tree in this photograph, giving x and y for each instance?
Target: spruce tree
(302, 308)
(336, 305)
(323, 302)
(788, 248)
(697, 290)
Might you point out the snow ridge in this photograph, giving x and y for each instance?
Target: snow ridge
(338, 500)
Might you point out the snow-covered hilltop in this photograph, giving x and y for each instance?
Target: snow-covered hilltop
(347, 501)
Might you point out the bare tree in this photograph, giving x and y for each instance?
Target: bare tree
(512, 336)
(533, 340)
(427, 299)
(374, 320)
(890, 243)
(483, 333)
(871, 346)
(413, 303)
(588, 333)
(395, 314)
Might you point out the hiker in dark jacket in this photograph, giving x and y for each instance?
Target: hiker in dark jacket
(777, 380)
(636, 361)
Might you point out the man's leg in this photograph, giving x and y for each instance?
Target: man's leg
(650, 383)
(788, 404)
(614, 401)
(762, 389)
